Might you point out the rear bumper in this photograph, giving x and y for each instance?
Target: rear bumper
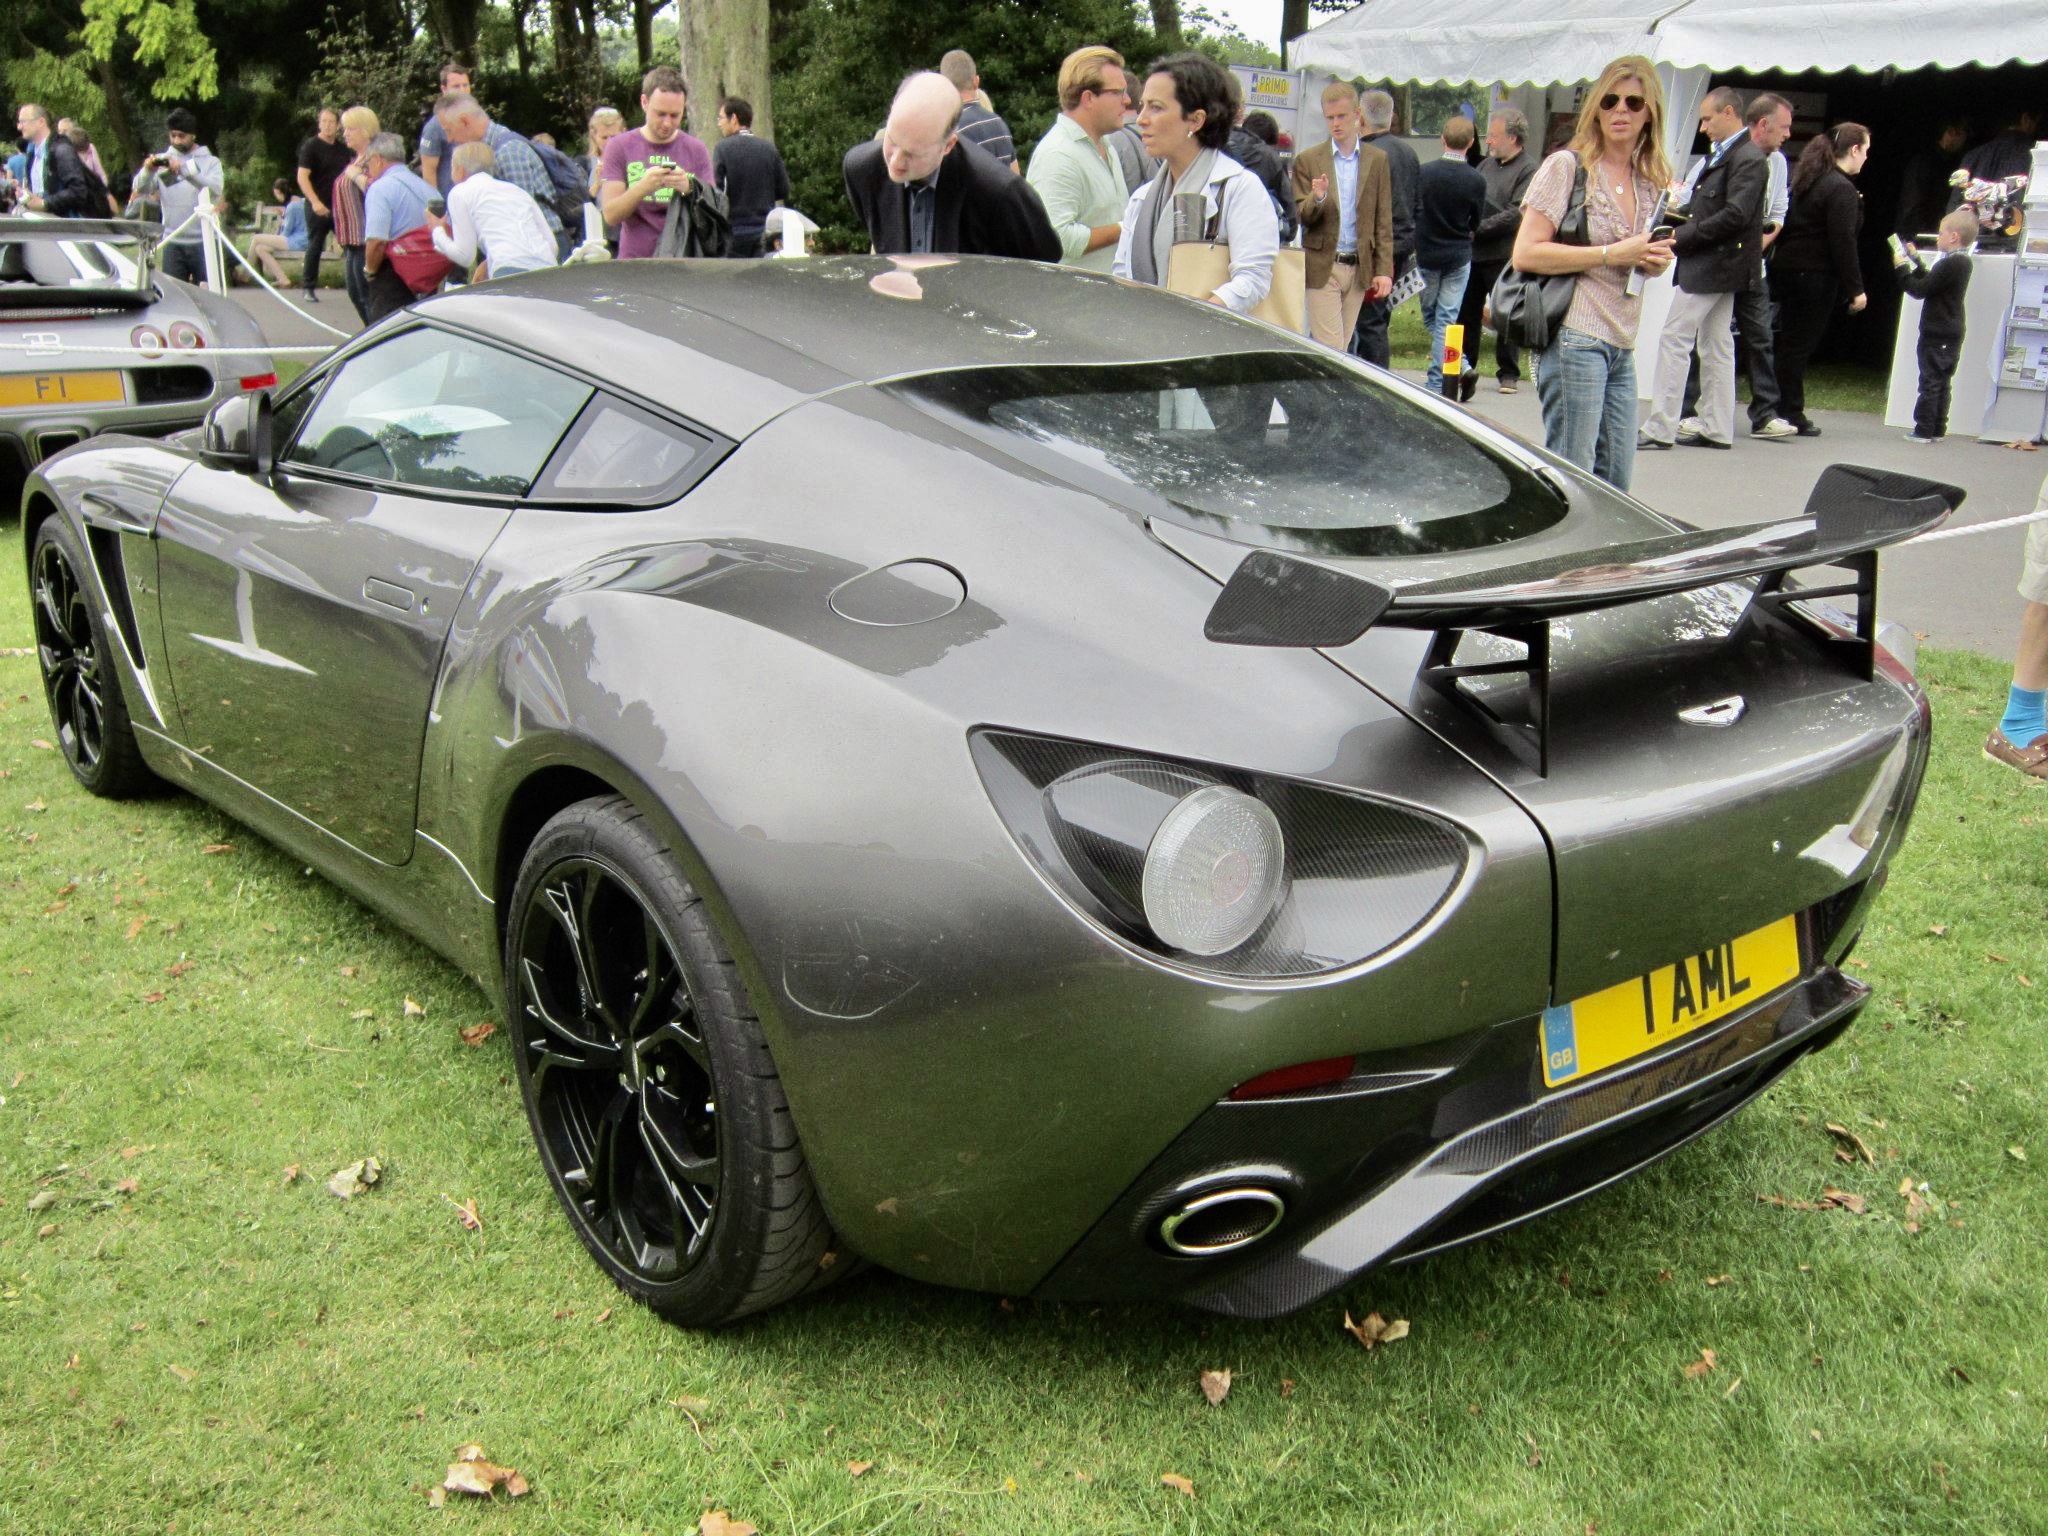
(1409, 1157)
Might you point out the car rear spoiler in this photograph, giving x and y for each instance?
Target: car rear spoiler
(31, 296)
(1278, 599)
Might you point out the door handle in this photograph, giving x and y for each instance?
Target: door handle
(102, 513)
(390, 594)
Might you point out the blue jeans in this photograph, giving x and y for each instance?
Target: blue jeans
(1588, 391)
(1443, 290)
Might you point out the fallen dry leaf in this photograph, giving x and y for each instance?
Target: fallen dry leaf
(356, 1178)
(291, 1173)
(1215, 1386)
(1286, 1386)
(348, 970)
(127, 1154)
(364, 1013)
(1853, 1204)
(1375, 1330)
(1939, 930)
(72, 1365)
(154, 997)
(2017, 1154)
(1535, 1451)
(1178, 1483)
(413, 1010)
(472, 1472)
(41, 1200)
(465, 1212)
(218, 848)
(1737, 1382)
(477, 1034)
(1843, 1134)
(184, 1373)
(859, 1468)
(1917, 1205)
(1715, 1282)
(41, 745)
(716, 1522)
(178, 968)
(437, 1497)
(1830, 1199)
(1701, 1366)
(603, 1317)
(48, 1229)
(137, 925)
(1995, 959)
(125, 1187)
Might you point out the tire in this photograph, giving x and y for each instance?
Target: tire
(676, 1158)
(81, 680)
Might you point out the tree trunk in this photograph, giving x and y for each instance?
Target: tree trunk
(522, 42)
(1293, 22)
(1166, 22)
(455, 24)
(643, 31)
(564, 30)
(725, 53)
(123, 126)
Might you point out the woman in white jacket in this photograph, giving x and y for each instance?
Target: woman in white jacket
(1184, 117)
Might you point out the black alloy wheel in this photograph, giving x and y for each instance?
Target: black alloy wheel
(86, 707)
(653, 1100)
(617, 1072)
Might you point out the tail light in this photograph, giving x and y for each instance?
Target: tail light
(148, 340)
(259, 381)
(186, 336)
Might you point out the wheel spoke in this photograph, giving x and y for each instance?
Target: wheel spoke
(580, 916)
(52, 607)
(660, 1117)
(690, 1197)
(561, 1041)
(652, 977)
(678, 1031)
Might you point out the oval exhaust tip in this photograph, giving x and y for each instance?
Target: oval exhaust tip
(1221, 1221)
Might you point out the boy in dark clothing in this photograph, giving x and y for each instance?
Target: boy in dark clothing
(1940, 289)
(1450, 200)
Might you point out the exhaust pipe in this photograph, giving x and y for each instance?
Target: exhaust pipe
(1221, 1221)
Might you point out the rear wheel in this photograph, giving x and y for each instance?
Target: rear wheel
(658, 1114)
(76, 657)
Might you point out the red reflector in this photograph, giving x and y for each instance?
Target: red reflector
(1309, 1074)
(260, 381)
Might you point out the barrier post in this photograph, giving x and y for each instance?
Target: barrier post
(1454, 359)
(209, 245)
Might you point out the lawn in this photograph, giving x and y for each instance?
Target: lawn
(195, 1033)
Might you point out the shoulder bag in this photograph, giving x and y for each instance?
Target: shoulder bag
(1528, 307)
(1198, 268)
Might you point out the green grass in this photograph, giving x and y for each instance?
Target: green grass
(252, 1355)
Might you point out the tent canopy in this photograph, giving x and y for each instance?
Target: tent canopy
(1571, 40)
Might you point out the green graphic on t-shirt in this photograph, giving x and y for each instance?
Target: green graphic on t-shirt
(635, 169)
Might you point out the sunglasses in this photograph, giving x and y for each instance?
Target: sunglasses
(1611, 99)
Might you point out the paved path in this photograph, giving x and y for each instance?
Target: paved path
(1956, 593)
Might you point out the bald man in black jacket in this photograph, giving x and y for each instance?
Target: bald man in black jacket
(921, 188)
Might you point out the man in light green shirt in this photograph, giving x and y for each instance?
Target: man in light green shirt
(1073, 172)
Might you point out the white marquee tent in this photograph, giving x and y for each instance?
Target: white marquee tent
(1564, 42)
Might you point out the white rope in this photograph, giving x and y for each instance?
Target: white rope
(1957, 533)
(264, 284)
(156, 353)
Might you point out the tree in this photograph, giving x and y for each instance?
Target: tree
(725, 53)
(1166, 22)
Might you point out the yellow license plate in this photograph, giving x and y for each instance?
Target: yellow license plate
(1595, 1032)
(55, 389)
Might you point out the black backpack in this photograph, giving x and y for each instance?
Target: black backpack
(572, 186)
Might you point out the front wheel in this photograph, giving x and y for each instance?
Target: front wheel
(76, 657)
(660, 1119)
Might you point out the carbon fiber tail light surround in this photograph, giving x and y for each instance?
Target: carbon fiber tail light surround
(1360, 874)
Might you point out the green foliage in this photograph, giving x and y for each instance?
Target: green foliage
(835, 68)
(360, 69)
(167, 40)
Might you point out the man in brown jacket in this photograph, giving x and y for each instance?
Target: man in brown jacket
(1343, 194)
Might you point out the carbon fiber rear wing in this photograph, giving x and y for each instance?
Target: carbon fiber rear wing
(20, 292)
(1277, 599)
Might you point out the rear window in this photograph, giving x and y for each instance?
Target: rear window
(1285, 449)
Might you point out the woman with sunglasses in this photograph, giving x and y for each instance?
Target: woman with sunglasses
(1586, 377)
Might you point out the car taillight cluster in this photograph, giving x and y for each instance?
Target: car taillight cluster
(150, 342)
(259, 381)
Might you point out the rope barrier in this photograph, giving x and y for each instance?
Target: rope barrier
(158, 353)
(1957, 533)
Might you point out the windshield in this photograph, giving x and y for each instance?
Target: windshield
(1285, 449)
(32, 265)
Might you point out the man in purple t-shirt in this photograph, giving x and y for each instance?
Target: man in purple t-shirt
(644, 169)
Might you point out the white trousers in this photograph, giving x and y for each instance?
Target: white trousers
(1705, 319)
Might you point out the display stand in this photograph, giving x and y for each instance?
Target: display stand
(2018, 410)
(1985, 307)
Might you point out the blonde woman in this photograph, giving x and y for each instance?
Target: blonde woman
(1586, 377)
(359, 125)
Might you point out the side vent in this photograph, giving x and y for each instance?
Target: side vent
(106, 554)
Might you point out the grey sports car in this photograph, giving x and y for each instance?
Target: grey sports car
(1018, 778)
(67, 284)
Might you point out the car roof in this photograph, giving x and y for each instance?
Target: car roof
(732, 344)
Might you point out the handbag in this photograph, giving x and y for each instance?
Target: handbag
(1198, 268)
(418, 265)
(1528, 307)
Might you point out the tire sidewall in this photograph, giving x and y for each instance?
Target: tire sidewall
(716, 1281)
(115, 730)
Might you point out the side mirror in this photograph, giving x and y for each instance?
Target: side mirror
(225, 436)
(237, 435)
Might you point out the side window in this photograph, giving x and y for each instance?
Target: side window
(618, 453)
(285, 417)
(441, 412)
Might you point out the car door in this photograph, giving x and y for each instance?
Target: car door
(305, 612)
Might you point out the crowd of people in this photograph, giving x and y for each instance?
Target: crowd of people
(1764, 250)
